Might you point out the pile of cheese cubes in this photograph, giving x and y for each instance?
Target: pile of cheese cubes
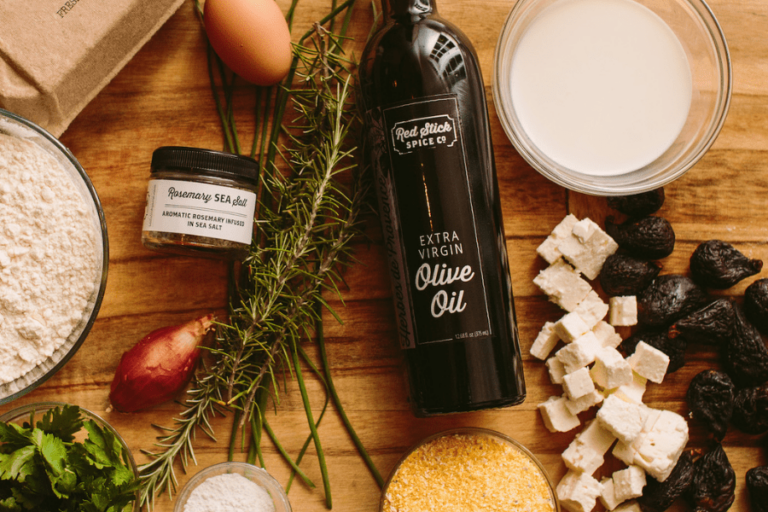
(647, 440)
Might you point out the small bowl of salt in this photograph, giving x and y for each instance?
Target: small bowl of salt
(232, 487)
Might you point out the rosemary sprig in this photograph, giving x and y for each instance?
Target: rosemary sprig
(307, 218)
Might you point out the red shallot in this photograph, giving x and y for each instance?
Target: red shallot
(158, 366)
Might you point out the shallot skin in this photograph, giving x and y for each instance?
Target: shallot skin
(159, 366)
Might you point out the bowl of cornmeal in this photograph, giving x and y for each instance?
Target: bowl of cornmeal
(469, 469)
(53, 255)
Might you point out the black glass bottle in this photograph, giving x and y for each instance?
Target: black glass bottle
(430, 144)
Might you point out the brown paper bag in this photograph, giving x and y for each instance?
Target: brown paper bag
(56, 55)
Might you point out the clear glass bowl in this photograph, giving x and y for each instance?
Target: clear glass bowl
(703, 41)
(17, 126)
(251, 472)
(472, 431)
(25, 412)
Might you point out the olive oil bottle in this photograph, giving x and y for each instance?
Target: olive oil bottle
(430, 144)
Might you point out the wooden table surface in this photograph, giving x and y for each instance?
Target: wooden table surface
(162, 97)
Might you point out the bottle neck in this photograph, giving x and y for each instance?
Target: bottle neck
(395, 9)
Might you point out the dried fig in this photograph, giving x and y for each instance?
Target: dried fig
(674, 348)
(659, 496)
(746, 357)
(757, 484)
(710, 325)
(638, 205)
(623, 275)
(714, 482)
(750, 413)
(667, 299)
(649, 238)
(756, 304)
(717, 264)
(710, 400)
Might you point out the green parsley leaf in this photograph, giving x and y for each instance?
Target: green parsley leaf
(64, 423)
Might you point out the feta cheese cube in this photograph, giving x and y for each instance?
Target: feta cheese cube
(623, 419)
(586, 451)
(545, 341)
(556, 370)
(570, 327)
(563, 285)
(592, 309)
(608, 495)
(632, 506)
(611, 370)
(579, 353)
(624, 452)
(548, 249)
(583, 230)
(556, 416)
(578, 492)
(658, 450)
(582, 404)
(628, 483)
(623, 310)
(588, 256)
(578, 384)
(649, 362)
(634, 391)
(607, 334)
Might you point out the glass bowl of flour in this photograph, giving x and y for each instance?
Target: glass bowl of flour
(612, 97)
(53, 255)
(232, 487)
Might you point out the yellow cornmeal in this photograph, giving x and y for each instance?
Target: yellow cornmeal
(468, 472)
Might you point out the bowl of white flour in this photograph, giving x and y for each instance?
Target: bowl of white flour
(232, 487)
(53, 255)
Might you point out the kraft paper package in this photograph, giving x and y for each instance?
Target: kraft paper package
(56, 55)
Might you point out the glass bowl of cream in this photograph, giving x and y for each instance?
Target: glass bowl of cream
(612, 97)
(54, 254)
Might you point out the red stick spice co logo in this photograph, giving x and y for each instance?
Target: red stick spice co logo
(427, 132)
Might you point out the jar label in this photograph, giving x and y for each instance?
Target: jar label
(429, 222)
(200, 209)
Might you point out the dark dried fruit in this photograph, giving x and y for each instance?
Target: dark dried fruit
(674, 348)
(667, 299)
(638, 205)
(756, 304)
(746, 358)
(718, 264)
(659, 496)
(714, 483)
(710, 325)
(623, 275)
(649, 238)
(750, 412)
(710, 399)
(757, 483)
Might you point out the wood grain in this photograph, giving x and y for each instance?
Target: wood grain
(162, 98)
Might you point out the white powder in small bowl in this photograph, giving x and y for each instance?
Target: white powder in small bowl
(230, 492)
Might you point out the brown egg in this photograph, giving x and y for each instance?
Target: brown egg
(251, 37)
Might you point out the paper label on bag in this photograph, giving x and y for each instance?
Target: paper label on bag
(200, 209)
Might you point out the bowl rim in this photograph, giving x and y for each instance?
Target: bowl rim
(105, 254)
(472, 431)
(40, 407)
(203, 474)
(725, 68)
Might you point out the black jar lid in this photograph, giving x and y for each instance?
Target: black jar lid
(205, 162)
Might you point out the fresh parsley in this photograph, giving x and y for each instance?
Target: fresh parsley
(44, 468)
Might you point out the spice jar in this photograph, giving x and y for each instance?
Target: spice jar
(200, 203)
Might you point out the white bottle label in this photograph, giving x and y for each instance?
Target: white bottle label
(200, 209)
